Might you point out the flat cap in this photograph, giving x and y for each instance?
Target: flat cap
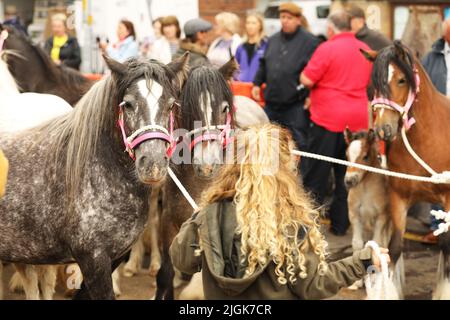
(196, 25)
(291, 8)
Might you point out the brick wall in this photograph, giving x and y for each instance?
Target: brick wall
(209, 8)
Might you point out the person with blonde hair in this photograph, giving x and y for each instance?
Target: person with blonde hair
(63, 48)
(224, 47)
(252, 50)
(257, 235)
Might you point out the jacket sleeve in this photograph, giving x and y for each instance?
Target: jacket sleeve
(75, 57)
(184, 246)
(48, 45)
(260, 76)
(340, 274)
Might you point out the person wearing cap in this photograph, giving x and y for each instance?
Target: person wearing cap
(285, 57)
(12, 19)
(224, 47)
(196, 41)
(374, 39)
(338, 76)
(165, 47)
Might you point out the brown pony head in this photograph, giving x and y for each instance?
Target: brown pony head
(362, 148)
(392, 78)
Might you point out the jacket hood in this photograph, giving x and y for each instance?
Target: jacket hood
(221, 246)
(192, 47)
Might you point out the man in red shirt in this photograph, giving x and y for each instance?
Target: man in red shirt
(338, 76)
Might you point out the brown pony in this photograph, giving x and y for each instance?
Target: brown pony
(404, 94)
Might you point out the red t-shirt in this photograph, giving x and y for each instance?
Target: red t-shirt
(341, 75)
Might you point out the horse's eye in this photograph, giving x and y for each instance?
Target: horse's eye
(366, 157)
(402, 81)
(226, 108)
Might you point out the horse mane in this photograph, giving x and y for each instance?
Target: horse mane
(203, 79)
(402, 57)
(79, 134)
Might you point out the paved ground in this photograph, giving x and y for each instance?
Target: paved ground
(420, 268)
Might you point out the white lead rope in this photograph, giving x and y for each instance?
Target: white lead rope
(438, 178)
(183, 190)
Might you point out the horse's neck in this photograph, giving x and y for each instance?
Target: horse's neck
(7, 83)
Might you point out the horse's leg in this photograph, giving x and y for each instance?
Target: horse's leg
(135, 262)
(47, 281)
(96, 276)
(165, 276)
(154, 215)
(442, 291)
(379, 231)
(398, 208)
(357, 238)
(116, 283)
(30, 280)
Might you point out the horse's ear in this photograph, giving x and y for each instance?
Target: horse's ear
(399, 49)
(348, 135)
(370, 55)
(371, 136)
(229, 68)
(115, 66)
(180, 67)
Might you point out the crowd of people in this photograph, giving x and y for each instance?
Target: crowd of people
(315, 89)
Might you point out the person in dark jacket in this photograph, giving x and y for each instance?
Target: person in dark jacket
(62, 48)
(258, 235)
(252, 50)
(12, 19)
(286, 55)
(196, 32)
(374, 39)
(435, 62)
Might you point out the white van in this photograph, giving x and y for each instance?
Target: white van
(315, 11)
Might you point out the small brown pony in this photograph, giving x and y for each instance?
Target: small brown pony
(368, 193)
(405, 96)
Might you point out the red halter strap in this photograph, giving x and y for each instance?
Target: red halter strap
(147, 133)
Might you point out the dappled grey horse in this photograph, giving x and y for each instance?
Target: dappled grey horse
(74, 195)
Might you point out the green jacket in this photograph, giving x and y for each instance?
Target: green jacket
(214, 227)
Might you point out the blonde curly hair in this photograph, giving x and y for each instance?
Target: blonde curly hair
(271, 206)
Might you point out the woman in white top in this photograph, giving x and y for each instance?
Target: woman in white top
(164, 48)
(225, 46)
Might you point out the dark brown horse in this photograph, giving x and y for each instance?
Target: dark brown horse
(404, 93)
(206, 99)
(35, 71)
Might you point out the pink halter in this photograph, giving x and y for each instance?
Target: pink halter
(147, 133)
(224, 136)
(380, 102)
(3, 36)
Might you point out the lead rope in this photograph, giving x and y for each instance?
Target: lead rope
(444, 176)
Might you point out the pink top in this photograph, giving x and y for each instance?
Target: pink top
(341, 75)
